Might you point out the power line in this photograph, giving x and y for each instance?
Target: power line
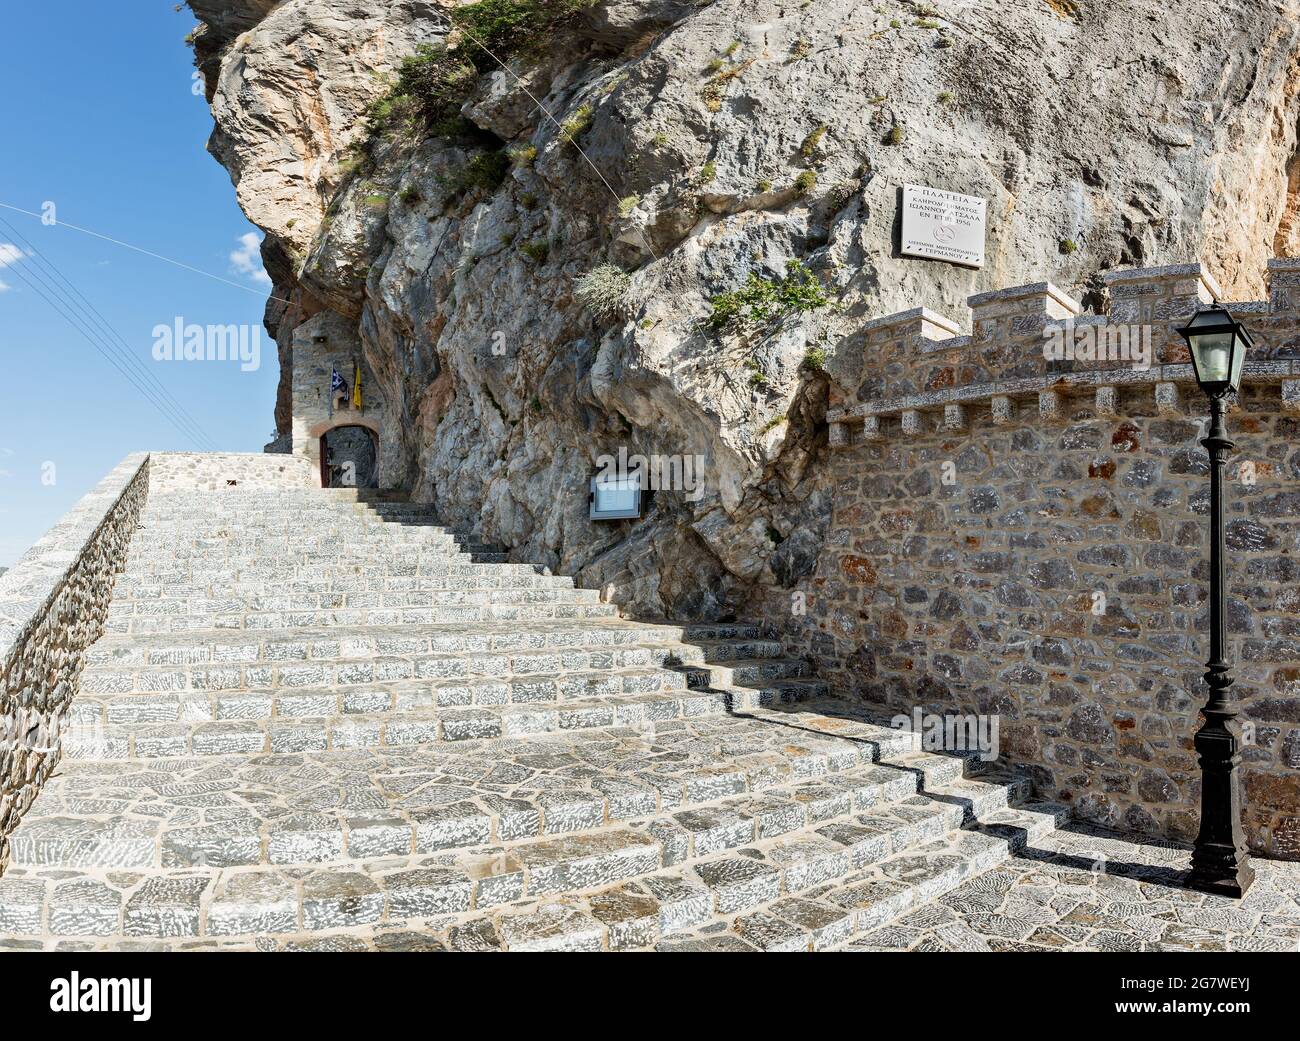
(77, 323)
(148, 253)
(80, 326)
(162, 391)
(161, 398)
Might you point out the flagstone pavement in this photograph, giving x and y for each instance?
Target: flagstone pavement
(1086, 889)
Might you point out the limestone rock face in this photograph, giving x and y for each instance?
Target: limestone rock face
(713, 142)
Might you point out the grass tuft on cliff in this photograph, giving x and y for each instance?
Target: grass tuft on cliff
(603, 290)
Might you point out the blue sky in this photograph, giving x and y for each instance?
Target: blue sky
(97, 116)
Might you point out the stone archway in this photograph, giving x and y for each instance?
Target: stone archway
(348, 450)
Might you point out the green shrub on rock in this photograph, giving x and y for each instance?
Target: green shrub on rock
(763, 301)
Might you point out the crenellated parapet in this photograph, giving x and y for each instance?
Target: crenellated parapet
(1032, 348)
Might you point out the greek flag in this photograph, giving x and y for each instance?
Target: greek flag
(337, 384)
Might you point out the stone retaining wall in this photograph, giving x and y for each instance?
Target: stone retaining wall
(52, 607)
(216, 471)
(1027, 537)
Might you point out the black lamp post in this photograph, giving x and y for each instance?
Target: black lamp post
(1218, 345)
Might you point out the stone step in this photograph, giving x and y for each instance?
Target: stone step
(308, 521)
(761, 900)
(670, 912)
(180, 530)
(563, 693)
(272, 516)
(329, 807)
(482, 581)
(366, 545)
(412, 578)
(448, 593)
(434, 578)
(343, 552)
(161, 531)
(430, 595)
(105, 679)
(235, 507)
(358, 642)
(259, 722)
(633, 884)
(271, 571)
(852, 912)
(554, 610)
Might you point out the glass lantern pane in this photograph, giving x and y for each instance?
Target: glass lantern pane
(1238, 360)
(1212, 353)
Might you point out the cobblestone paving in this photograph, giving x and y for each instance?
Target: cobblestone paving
(1085, 889)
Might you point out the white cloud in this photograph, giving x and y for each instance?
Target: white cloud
(9, 256)
(247, 259)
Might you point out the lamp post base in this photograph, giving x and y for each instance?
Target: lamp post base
(1230, 880)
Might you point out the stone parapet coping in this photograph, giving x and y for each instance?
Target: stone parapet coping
(28, 587)
(1197, 270)
(915, 314)
(918, 354)
(1032, 291)
(1262, 372)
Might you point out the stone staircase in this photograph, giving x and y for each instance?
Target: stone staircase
(319, 722)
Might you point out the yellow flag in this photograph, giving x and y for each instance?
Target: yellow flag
(356, 385)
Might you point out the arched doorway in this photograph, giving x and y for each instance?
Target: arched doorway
(349, 457)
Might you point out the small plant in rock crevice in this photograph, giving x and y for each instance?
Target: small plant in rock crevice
(809, 148)
(536, 250)
(483, 174)
(577, 123)
(523, 155)
(815, 359)
(713, 89)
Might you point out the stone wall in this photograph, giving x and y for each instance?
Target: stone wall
(52, 607)
(1026, 537)
(214, 471)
